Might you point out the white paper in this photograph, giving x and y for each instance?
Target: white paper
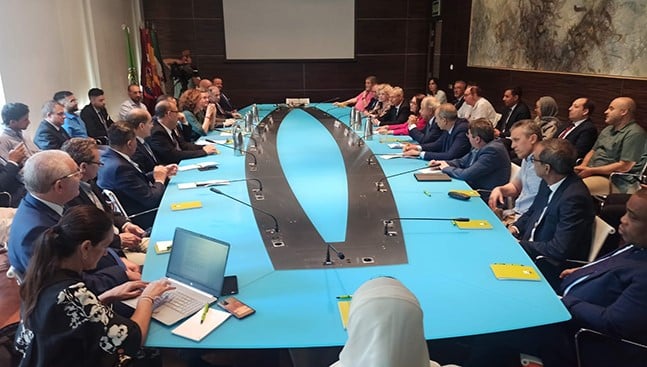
(163, 245)
(193, 185)
(430, 170)
(396, 145)
(391, 156)
(194, 330)
(195, 166)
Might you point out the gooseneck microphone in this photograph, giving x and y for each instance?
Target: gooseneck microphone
(251, 164)
(371, 159)
(388, 224)
(276, 223)
(340, 255)
(380, 183)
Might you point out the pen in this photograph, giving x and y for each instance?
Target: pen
(426, 193)
(345, 297)
(205, 310)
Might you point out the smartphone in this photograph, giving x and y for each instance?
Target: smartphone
(229, 285)
(236, 307)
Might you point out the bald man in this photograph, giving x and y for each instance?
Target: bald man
(619, 148)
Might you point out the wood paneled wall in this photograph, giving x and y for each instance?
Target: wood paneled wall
(391, 43)
(564, 88)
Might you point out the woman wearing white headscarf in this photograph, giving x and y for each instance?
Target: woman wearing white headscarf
(384, 328)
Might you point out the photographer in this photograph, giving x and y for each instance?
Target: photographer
(183, 72)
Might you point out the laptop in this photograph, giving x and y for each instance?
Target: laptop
(196, 269)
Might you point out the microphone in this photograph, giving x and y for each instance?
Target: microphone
(276, 223)
(252, 165)
(388, 224)
(255, 146)
(371, 160)
(339, 254)
(380, 183)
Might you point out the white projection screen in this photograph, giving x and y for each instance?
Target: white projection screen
(289, 29)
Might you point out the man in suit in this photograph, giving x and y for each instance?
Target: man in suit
(50, 133)
(515, 110)
(141, 123)
(215, 97)
(14, 150)
(451, 144)
(486, 166)
(619, 148)
(85, 152)
(432, 132)
(399, 111)
(459, 90)
(559, 221)
(95, 115)
(581, 131)
(225, 102)
(169, 146)
(52, 179)
(137, 191)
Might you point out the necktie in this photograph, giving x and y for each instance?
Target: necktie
(95, 200)
(568, 128)
(150, 152)
(473, 153)
(174, 138)
(508, 113)
(541, 217)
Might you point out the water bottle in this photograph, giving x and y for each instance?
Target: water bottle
(238, 140)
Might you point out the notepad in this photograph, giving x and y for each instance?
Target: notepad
(344, 309)
(196, 166)
(163, 247)
(514, 272)
(186, 205)
(473, 224)
(468, 192)
(194, 330)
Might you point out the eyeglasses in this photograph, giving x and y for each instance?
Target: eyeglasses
(100, 164)
(76, 173)
(533, 160)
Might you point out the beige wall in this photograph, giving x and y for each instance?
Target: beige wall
(65, 45)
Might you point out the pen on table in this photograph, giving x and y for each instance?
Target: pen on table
(205, 311)
(345, 297)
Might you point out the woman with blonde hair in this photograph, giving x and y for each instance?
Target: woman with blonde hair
(383, 105)
(193, 103)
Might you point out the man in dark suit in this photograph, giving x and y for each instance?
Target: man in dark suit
(399, 111)
(459, 90)
(581, 131)
(52, 179)
(141, 123)
(486, 166)
(225, 102)
(86, 155)
(50, 133)
(96, 116)
(137, 191)
(451, 144)
(515, 110)
(559, 221)
(432, 131)
(169, 146)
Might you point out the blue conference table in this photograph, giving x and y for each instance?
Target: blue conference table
(448, 269)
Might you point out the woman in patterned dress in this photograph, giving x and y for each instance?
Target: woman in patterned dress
(65, 324)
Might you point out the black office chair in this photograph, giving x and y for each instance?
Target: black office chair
(621, 352)
(5, 199)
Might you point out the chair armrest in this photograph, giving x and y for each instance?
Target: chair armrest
(584, 331)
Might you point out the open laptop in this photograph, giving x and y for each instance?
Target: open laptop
(196, 268)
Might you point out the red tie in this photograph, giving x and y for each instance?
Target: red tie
(569, 128)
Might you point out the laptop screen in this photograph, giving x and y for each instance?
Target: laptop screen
(198, 261)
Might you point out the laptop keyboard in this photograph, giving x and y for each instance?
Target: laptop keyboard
(180, 302)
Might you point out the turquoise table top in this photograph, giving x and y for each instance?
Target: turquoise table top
(448, 268)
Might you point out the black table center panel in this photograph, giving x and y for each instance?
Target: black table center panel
(297, 244)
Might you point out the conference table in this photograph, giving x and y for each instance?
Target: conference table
(447, 268)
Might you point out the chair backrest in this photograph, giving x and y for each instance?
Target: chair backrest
(601, 230)
(514, 169)
(114, 203)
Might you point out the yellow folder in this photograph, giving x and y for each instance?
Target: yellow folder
(514, 272)
(186, 205)
(474, 224)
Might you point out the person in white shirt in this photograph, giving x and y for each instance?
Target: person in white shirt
(481, 107)
(134, 100)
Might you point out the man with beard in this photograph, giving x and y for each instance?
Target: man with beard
(134, 101)
(73, 124)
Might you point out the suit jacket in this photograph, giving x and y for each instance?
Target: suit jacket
(565, 230)
(613, 297)
(96, 129)
(485, 168)
(47, 137)
(521, 112)
(32, 219)
(10, 182)
(136, 191)
(392, 118)
(118, 219)
(459, 103)
(582, 137)
(225, 103)
(165, 149)
(449, 145)
(430, 134)
(144, 159)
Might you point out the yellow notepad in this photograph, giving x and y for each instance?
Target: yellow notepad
(468, 192)
(344, 309)
(186, 205)
(514, 272)
(474, 224)
(163, 247)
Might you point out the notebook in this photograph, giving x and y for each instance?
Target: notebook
(196, 268)
(514, 272)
